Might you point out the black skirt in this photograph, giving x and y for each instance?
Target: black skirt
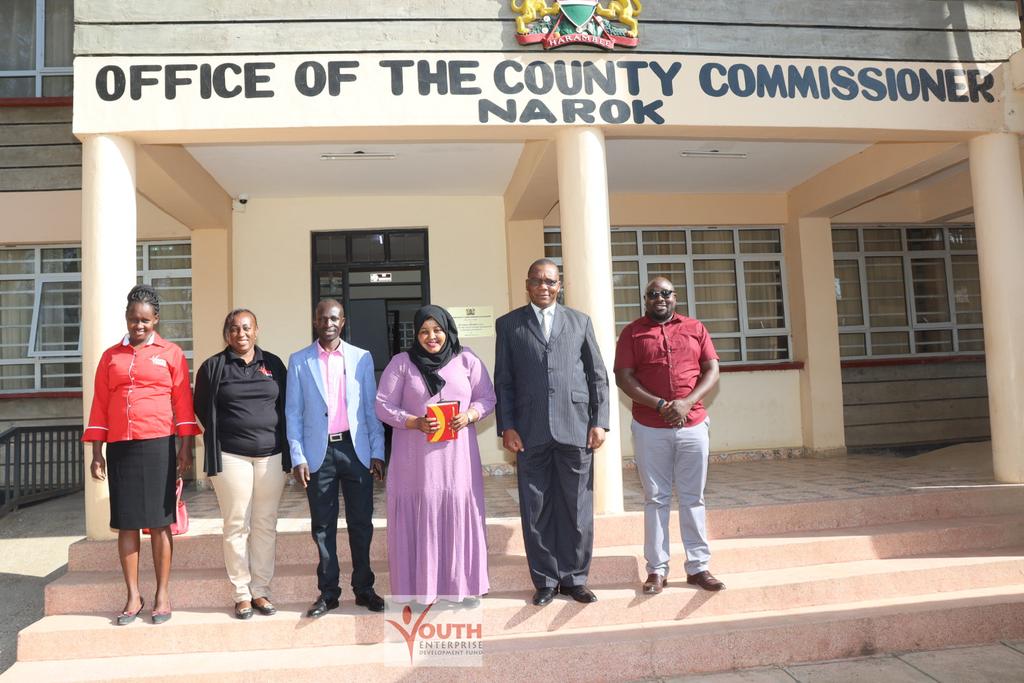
(141, 475)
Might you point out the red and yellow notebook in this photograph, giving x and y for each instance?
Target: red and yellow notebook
(444, 412)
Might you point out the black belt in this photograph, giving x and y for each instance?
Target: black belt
(339, 436)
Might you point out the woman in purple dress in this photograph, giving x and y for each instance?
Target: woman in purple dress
(437, 544)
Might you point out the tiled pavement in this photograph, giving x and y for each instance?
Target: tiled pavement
(731, 484)
(1001, 662)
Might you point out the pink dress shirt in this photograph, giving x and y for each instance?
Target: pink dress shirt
(332, 370)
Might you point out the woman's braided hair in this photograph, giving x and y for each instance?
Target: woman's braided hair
(144, 294)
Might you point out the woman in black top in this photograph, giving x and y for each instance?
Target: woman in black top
(239, 399)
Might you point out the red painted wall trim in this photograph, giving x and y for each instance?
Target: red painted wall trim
(929, 360)
(43, 394)
(759, 367)
(35, 101)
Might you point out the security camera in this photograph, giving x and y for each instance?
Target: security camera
(243, 199)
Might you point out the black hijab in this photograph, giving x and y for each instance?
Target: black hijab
(429, 363)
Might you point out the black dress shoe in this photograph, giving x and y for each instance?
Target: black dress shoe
(706, 581)
(371, 601)
(543, 596)
(321, 607)
(578, 593)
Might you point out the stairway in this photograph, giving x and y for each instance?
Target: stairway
(806, 581)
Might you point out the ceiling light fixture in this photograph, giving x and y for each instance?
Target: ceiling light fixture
(358, 154)
(711, 154)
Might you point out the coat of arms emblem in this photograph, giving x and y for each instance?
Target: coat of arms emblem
(577, 21)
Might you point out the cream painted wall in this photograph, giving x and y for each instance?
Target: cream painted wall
(272, 259)
(56, 217)
(749, 411)
(524, 241)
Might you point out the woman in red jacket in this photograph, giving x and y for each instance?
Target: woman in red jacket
(141, 401)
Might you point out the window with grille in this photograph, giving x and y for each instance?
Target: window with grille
(41, 309)
(36, 48)
(907, 290)
(730, 278)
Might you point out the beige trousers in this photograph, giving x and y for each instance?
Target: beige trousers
(249, 492)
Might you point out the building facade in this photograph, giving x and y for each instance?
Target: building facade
(835, 188)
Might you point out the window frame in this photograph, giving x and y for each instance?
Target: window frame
(37, 359)
(907, 258)
(737, 257)
(41, 71)
(37, 305)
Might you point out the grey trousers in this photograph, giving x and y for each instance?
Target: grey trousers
(665, 456)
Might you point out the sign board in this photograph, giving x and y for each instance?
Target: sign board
(380, 277)
(235, 92)
(473, 321)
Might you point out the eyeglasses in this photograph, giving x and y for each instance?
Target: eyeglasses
(537, 282)
(663, 293)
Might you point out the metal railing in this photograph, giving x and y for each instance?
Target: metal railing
(37, 463)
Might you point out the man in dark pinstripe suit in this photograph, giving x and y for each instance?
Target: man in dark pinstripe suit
(552, 412)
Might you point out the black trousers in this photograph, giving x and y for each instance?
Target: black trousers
(341, 465)
(556, 503)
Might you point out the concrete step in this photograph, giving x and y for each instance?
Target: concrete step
(587, 653)
(510, 611)
(755, 553)
(901, 539)
(504, 535)
(83, 592)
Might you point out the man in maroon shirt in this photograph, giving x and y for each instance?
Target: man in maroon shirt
(666, 363)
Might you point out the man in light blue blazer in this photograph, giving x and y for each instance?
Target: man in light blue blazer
(336, 438)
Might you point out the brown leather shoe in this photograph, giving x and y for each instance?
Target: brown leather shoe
(654, 583)
(705, 581)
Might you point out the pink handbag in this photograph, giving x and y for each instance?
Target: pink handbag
(180, 524)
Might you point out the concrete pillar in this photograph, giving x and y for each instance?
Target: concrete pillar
(212, 276)
(587, 266)
(108, 272)
(999, 221)
(815, 332)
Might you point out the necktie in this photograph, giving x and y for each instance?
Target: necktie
(545, 324)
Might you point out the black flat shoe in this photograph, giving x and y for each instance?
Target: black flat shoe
(371, 601)
(242, 613)
(266, 608)
(543, 596)
(321, 607)
(578, 593)
(161, 617)
(125, 618)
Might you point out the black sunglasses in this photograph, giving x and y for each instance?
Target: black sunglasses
(538, 281)
(663, 293)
